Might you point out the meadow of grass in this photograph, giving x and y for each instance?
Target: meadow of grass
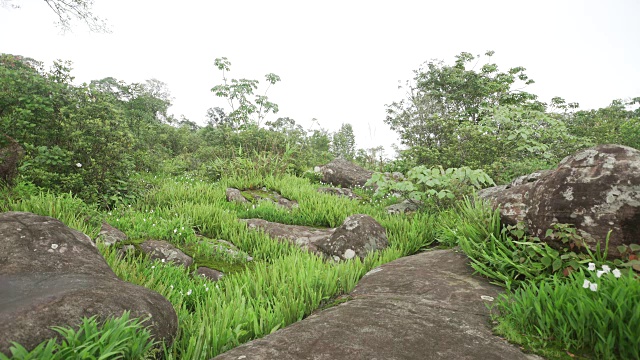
(544, 310)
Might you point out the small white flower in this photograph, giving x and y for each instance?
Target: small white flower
(153, 267)
(616, 273)
(154, 224)
(183, 228)
(586, 284)
(162, 260)
(79, 165)
(109, 212)
(129, 205)
(189, 292)
(152, 211)
(171, 286)
(175, 231)
(144, 219)
(206, 289)
(54, 246)
(606, 268)
(599, 273)
(593, 287)
(592, 266)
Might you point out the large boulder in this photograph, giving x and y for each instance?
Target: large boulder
(344, 173)
(596, 190)
(52, 275)
(11, 153)
(357, 236)
(421, 307)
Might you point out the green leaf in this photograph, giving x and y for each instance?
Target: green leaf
(557, 264)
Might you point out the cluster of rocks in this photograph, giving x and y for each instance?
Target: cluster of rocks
(167, 253)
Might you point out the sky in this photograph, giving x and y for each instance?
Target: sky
(339, 61)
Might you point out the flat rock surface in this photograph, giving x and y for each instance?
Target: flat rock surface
(426, 306)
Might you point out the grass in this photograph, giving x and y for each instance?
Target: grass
(542, 310)
(282, 285)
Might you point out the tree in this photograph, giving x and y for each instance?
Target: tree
(445, 104)
(68, 10)
(247, 108)
(343, 143)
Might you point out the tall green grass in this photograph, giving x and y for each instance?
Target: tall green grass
(282, 285)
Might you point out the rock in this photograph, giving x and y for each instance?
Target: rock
(11, 153)
(110, 235)
(346, 192)
(343, 173)
(596, 190)
(404, 207)
(421, 307)
(235, 195)
(212, 246)
(209, 274)
(357, 236)
(260, 195)
(162, 250)
(51, 275)
(302, 236)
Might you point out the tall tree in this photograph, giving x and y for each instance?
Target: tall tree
(343, 143)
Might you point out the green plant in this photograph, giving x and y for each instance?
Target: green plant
(438, 185)
(116, 338)
(589, 312)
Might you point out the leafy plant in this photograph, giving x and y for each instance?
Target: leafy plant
(435, 184)
(116, 338)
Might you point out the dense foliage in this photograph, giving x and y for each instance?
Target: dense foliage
(111, 151)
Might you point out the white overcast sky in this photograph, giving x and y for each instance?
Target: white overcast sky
(340, 61)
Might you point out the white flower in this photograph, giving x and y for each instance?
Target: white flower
(153, 267)
(175, 231)
(206, 289)
(189, 292)
(183, 228)
(592, 266)
(144, 219)
(162, 260)
(586, 284)
(599, 273)
(78, 165)
(606, 268)
(54, 246)
(593, 287)
(616, 273)
(154, 224)
(171, 286)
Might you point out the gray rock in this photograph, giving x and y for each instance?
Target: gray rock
(212, 246)
(596, 190)
(162, 250)
(110, 235)
(421, 307)
(346, 174)
(235, 195)
(345, 192)
(406, 206)
(11, 153)
(357, 236)
(51, 275)
(209, 274)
